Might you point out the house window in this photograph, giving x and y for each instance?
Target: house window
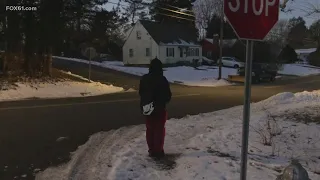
(170, 52)
(138, 35)
(193, 52)
(130, 52)
(147, 51)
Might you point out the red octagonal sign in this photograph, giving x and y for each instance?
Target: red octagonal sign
(252, 19)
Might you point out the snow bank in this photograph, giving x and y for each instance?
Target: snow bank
(299, 70)
(203, 76)
(62, 89)
(209, 145)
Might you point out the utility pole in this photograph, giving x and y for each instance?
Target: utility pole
(221, 44)
(150, 52)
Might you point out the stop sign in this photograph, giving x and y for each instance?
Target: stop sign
(252, 19)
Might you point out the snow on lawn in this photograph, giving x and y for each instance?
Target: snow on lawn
(203, 76)
(299, 70)
(207, 146)
(60, 89)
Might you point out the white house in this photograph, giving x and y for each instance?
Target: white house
(168, 42)
(304, 53)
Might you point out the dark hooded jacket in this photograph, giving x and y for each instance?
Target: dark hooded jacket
(155, 87)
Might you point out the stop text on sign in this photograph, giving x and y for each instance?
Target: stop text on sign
(234, 6)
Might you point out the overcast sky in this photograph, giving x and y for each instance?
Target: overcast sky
(299, 7)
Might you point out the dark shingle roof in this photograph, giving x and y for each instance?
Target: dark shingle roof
(167, 32)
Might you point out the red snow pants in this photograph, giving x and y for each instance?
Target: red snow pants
(156, 131)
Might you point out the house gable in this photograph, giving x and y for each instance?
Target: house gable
(136, 46)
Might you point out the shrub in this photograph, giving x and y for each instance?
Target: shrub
(314, 58)
(288, 55)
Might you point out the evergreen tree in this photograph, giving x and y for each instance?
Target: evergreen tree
(214, 28)
(288, 55)
(297, 32)
(31, 37)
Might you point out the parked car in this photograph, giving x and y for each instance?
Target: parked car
(207, 62)
(232, 62)
(261, 72)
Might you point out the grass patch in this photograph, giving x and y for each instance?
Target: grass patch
(9, 82)
(306, 116)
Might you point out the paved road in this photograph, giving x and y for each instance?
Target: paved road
(29, 129)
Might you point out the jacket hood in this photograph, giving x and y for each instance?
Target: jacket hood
(156, 67)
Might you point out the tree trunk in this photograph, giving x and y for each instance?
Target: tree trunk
(4, 63)
(31, 64)
(12, 37)
(47, 66)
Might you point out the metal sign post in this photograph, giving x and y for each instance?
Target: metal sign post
(89, 65)
(90, 53)
(246, 110)
(252, 24)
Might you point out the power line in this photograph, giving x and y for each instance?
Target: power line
(181, 9)
(166, 9)
(178, 17)
(178, 12)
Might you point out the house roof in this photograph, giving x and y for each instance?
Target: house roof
(225, 42)
(171, 33)
(209, 40)
(305, 51)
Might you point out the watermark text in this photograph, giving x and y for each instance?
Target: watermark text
(21, 8)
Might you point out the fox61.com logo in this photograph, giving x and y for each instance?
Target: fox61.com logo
(20, 8)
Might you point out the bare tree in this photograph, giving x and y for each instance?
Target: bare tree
(309, 8)
(205, 10)
(283, 5)
(279, 33)
(134, 9)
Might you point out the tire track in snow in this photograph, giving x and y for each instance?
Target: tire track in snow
(94, 157)
(78, 171)
(64, 172)
(99, 160)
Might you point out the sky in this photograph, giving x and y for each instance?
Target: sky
(299, 7)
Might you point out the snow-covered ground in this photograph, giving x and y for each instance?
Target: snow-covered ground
(207, 146)
(299, 70)
(203, 76)
(59, 89)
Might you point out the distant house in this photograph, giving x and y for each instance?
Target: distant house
(168, 42)
(210, 47)
(304, 53)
